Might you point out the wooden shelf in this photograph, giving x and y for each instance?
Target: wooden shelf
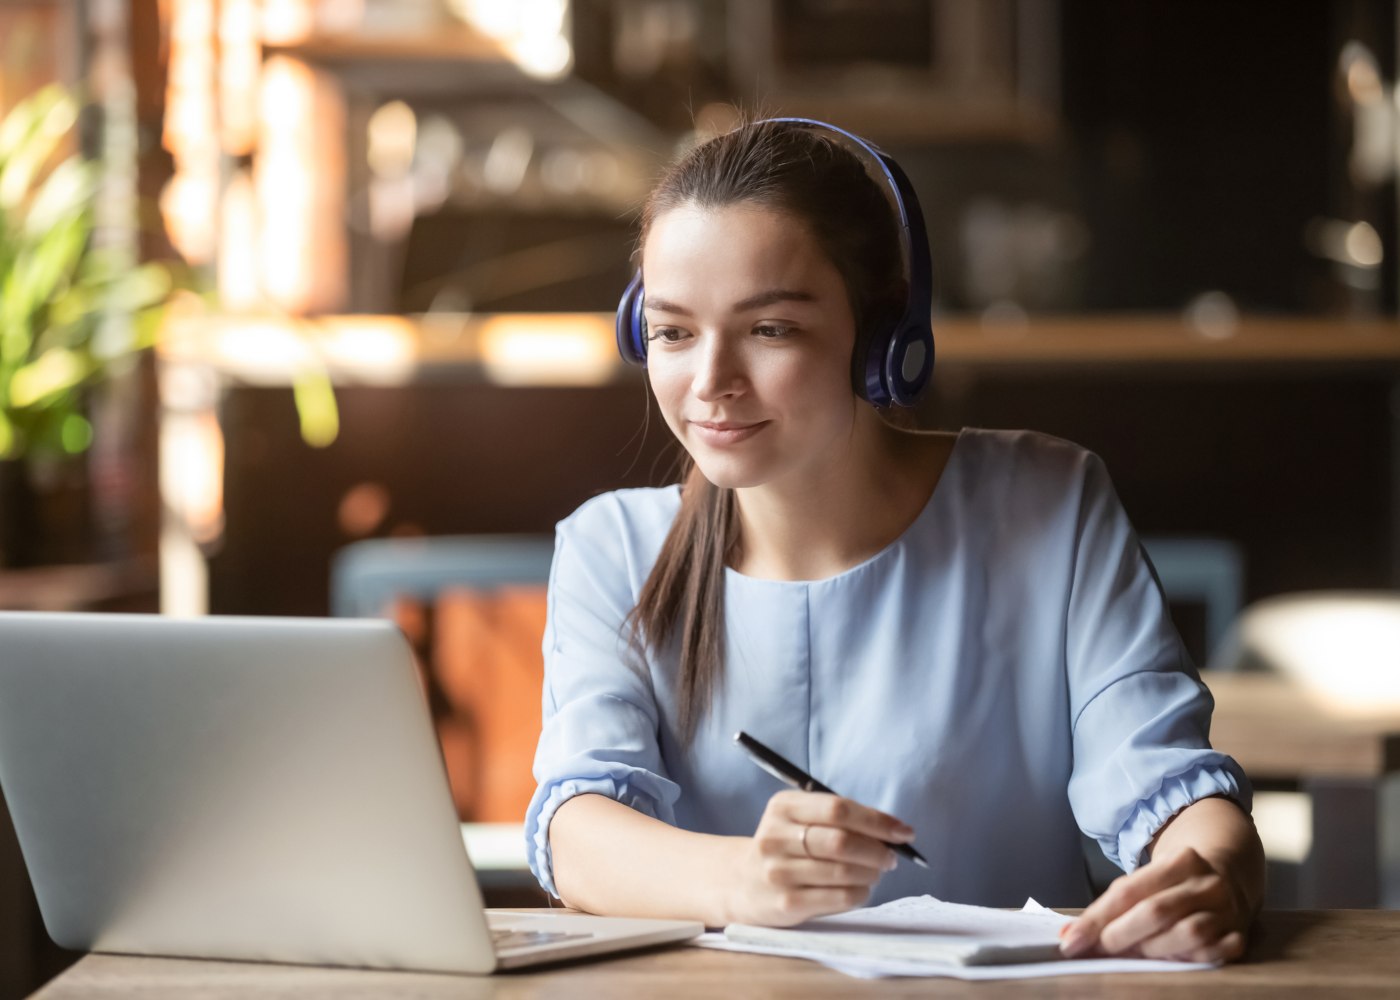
(400, 349)
(1148, 339)
(449, 43)
(98, 586)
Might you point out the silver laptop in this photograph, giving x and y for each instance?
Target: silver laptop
(261, 789)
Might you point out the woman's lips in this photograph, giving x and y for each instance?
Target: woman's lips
(726, 433)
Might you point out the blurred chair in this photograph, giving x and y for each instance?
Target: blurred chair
(474, 609)
(1204, 571)
(367, 576)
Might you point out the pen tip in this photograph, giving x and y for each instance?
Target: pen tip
(921, 862)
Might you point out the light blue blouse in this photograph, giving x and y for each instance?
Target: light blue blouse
(1001, 676)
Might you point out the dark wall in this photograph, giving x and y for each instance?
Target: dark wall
(1293, 466)
(1200, 132)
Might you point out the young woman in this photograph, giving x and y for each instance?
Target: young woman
(958, 632)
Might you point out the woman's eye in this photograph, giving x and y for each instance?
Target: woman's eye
(769, 331)
(668, 334)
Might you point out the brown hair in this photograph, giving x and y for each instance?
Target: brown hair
(804, 172)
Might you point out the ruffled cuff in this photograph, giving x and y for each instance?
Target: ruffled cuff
(640, 789)
(1178, 791)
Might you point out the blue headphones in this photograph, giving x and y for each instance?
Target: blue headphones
(899, 359)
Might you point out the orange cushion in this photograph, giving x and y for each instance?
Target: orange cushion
(486, 660)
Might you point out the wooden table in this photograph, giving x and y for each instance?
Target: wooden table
(1352, 953)
(1348, 761)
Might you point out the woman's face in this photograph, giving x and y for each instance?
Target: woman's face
(751, 335)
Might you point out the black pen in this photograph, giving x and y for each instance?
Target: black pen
(790, 774)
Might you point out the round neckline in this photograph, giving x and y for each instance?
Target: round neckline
(898, 542)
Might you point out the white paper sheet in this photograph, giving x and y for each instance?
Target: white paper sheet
(927, 915)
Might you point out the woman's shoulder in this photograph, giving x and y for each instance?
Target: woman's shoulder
(1022, 453)
(1025, 477)
(603, 553)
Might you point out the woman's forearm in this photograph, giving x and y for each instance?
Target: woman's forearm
(812, 853)
(1224, 835)
(611, 859)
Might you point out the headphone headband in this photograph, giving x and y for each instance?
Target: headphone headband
(898, 360)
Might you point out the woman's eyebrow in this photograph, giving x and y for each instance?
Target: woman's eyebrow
(661, 305)
(772, 297)
(768, 298)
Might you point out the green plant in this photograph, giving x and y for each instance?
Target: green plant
(71, 311)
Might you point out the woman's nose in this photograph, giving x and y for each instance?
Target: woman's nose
(720, 371)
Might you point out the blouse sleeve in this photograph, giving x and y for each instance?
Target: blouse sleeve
(1140, 714)
(600, 719)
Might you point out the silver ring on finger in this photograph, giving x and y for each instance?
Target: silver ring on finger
(805, 849)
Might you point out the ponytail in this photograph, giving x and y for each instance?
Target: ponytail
(685, 594)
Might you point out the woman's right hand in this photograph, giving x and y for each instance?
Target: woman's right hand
(812, 854)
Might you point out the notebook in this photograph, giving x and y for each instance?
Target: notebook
(264, 789)
(924, 936)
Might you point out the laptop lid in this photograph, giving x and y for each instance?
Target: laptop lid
(256, 789)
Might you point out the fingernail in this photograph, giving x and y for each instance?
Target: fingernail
(904, 833)
(1073, 942)
(890, 861)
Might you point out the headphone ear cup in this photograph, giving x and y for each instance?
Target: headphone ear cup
(632, 324)
(909, 363)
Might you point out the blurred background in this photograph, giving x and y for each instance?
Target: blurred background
(283, 276)
(380, 238)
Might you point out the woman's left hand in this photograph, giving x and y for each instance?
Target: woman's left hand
(1175, 907)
